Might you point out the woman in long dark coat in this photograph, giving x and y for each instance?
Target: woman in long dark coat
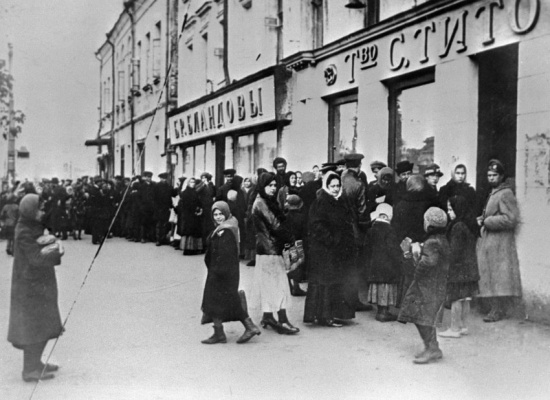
(426, 294)
(332, 254)
(34, 312)
(458, 186)
(189, 219)
(206, 191)
(221, 301)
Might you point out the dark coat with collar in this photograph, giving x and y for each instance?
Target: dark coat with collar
(271, 235)
(34, 312)
(385, 255)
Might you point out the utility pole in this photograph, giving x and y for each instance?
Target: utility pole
(11, 127)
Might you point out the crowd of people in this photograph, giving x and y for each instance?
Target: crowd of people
(397, 243)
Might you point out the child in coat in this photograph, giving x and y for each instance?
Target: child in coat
(426, 294)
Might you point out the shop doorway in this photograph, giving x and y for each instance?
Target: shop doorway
(497, 111)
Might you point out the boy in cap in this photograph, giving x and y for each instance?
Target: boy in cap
(404, 170)
(376, 166)
(432, 175)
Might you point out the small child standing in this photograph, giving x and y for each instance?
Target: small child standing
(385, 256)
(463, 271)
(9, 215)
(426, 294)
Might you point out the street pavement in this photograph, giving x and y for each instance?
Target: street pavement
(135, 332)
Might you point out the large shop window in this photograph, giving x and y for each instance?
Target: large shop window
(267, 149)
(245, 155)
(189, 162)
(342, 127)
(412, 103)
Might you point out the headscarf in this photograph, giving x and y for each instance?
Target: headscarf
(230, 222)
(415, 183)
(327, 178)
(457, 166)
(265, 179)
(29, 206)
(288, 174)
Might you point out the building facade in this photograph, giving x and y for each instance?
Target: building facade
(134, 99)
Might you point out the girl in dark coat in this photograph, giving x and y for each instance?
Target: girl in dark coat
(426, 294)
(457, 186)
(221, 301)
(270, 279)
(34, 312)
(385, 257)
(382, 191)
(189, 219)
(332, 255)
(463, 272)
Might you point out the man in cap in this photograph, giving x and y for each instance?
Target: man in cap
(432, 175)
(228, 176)
(147, 207)
(403, 169)
(354, 193)
(375, 166)
(162, 197)
(497, 257)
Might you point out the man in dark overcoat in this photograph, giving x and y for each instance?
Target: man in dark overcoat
(147, 207)
(162, 197)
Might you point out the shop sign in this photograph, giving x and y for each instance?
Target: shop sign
(466, 31)
(243, 107)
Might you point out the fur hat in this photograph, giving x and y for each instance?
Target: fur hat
(294, 202)
(404, 166)
(435, 217)
(433, 169)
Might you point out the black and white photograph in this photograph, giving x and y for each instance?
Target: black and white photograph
(274, 199)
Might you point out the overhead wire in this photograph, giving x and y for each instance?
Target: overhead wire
(157, 107)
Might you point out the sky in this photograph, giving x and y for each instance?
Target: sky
(56, 81)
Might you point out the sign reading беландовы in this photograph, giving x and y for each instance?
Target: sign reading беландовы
(244, 107)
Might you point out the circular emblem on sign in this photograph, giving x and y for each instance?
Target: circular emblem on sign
(330, 74)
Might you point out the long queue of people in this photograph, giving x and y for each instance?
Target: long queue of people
(396, 243)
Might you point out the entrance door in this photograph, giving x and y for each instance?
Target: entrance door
(497, 111)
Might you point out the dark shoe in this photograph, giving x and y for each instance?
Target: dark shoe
(217, 337)
(385, 316)
(251, 330)
(158, 244)
(270, 321)
(429, 355)
(493, 317)
(36, 375)
(363, 307)
(287, 328)
(251, 263)
(50, 367)
(331, 323)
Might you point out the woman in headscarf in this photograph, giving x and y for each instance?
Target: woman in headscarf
(34, 312)
(332, 254)
(463, 277)
(458, 186)
(381, 191)
(270, 278)
(221, 301)
(189, 219)
(288, 189)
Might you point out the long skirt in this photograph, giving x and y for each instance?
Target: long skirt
(271, 291)
(383, 294)
(191, 245)
(326, 302)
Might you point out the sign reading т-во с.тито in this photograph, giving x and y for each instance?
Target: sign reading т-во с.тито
(241, 108)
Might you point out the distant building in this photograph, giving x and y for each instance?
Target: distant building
(133, 65)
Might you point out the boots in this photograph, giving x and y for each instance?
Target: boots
(251, 330)
(295, 289)
(285, 326)
(383, 315)
(217, 337)
(496, 313)
(432, 351)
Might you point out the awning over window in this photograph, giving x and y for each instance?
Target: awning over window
(97, 142)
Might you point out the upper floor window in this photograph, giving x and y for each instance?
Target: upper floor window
(157, 56)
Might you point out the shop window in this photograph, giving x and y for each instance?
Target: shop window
(200, 161)
(342, 127)
(210, 157)
(245, 152)
(267, 149)
(412, 120)
(229, 152)
(189, 162)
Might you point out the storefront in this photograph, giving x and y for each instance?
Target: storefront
(238, 127)
(453, 81)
